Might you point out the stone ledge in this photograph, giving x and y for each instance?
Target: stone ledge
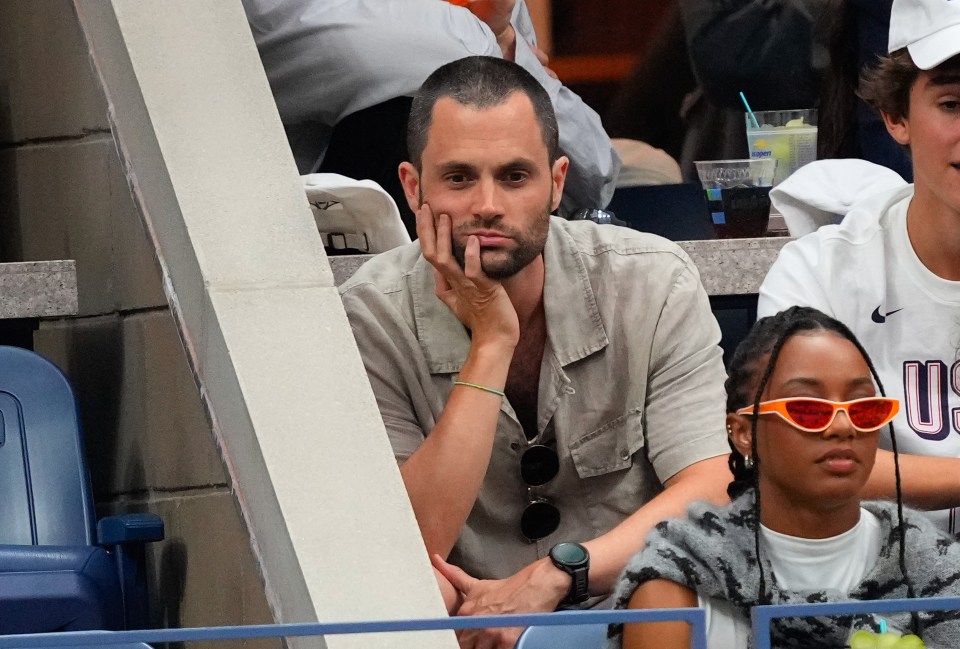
(38, 289)
(733, 266)
(727, 266)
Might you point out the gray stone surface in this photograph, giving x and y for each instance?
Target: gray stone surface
(38, 289)
(727, 266)
(47, 89)
(70, 200)
(733, 266)
(143, 419)
(204, 566)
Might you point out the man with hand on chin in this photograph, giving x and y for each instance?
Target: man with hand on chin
(551, 389)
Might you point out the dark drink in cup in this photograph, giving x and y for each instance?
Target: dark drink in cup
(740, 212)
(738, 194)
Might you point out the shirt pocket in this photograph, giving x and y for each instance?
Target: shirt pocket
(609, 448)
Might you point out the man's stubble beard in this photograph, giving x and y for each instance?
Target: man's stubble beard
(529, 245)
(528, 248)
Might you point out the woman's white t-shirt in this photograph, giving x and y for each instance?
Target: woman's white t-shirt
(836, 563)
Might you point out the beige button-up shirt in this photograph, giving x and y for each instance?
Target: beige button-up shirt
(631, 382)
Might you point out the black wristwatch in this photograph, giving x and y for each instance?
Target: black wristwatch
(573, 559)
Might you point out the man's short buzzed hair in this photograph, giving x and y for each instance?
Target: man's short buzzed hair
(479, 82)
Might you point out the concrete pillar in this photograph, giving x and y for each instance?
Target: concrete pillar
(253, 301)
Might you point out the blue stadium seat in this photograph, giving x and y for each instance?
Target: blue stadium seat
(57, 571)
(566, 636)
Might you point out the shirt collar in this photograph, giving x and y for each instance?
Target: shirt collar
(574, 327)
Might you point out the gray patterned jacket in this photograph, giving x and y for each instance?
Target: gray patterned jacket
(712, 552)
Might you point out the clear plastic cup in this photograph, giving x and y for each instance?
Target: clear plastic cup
(727, 174)
(738, 194)
(790, 136)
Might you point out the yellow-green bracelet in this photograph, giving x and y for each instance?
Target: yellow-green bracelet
(499, 393)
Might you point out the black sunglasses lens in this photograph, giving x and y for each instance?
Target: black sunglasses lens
(539, 519)
(539, 465)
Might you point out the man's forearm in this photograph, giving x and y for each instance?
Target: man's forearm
(540, 586)
(444, 475)
(928, 482)
(704, 480)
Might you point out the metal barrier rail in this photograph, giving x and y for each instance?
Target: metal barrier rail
(695, 617)
(764, 615)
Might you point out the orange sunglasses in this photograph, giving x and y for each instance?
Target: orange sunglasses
(816, 415)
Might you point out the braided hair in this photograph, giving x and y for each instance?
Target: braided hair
(747, 379)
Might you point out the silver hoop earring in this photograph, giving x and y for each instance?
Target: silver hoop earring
(748, 462)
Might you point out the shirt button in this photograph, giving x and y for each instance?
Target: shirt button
(624, 454)
(515, 446)
(570, 390)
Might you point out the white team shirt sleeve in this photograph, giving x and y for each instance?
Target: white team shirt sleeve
(795, 279)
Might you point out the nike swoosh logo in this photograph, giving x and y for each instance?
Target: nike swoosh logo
(879, 318)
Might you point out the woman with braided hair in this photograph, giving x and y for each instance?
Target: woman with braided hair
(805, 409)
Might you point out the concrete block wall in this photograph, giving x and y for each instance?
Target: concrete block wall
(63, 195)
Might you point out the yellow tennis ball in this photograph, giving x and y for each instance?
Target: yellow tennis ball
(863, 640)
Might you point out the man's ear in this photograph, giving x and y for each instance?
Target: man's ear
(410, 179)
(559, 174)
(898, 127)
(738, 429)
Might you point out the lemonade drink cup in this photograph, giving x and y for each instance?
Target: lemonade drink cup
(789, 136)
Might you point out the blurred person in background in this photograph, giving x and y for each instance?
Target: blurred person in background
(783, 54)
(849, 127)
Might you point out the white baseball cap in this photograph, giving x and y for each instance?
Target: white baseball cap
(929, 29)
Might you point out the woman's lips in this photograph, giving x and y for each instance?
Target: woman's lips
(839, 461)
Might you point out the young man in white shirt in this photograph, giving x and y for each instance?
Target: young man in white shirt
(891, 269)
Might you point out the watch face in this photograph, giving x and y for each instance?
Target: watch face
(569, 553)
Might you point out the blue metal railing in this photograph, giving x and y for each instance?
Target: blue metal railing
(695, 617)
(762, 617)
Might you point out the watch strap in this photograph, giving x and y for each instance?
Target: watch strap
(579, 586)
(579, 571)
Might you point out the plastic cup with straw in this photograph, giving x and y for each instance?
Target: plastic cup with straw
(790, 136)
